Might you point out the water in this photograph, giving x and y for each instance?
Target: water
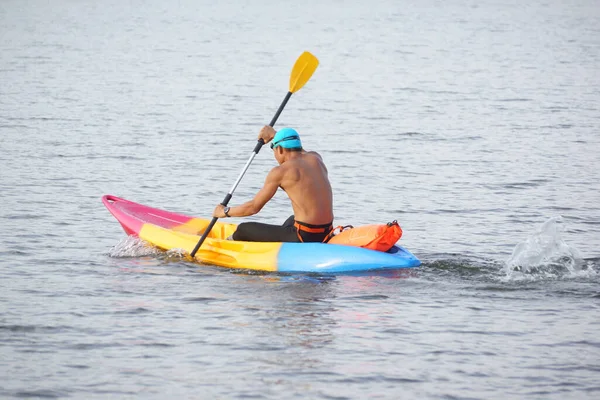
(475, 124)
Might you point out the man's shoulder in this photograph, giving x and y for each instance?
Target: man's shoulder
(276, 172)
(314, 154)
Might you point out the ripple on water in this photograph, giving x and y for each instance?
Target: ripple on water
(41, 394)
(34, 328)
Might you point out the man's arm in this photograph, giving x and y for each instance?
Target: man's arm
(272, 183)
(266, 133)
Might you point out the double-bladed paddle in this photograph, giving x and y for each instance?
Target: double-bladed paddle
(303, 69)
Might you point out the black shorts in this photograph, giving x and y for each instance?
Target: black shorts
(259, 232)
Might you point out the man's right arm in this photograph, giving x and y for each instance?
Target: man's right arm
(267, 133)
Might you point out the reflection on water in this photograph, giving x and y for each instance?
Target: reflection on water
(300, 313)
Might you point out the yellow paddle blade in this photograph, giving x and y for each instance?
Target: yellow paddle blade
(305, 66)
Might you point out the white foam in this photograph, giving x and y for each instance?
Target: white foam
(176, 253)
(545, 254)
(132, 246)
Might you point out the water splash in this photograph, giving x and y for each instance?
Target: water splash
(132, 246)
(545, 254)
(176, 254)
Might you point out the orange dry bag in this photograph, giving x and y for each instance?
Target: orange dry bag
(375, 237)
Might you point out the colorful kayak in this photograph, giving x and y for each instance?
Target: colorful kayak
(168, 230)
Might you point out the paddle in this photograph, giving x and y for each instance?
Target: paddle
(303, 69)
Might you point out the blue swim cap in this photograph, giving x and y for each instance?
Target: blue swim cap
(287, 138)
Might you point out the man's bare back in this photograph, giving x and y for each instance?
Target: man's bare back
(303, 176)
(306, 183)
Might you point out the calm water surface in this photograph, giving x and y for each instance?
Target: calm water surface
(475, 124)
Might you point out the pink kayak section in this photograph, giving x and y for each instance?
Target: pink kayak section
(132, 216)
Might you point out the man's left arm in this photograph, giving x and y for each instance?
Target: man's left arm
(261, 198)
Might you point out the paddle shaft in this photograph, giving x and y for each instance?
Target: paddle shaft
(237, 182)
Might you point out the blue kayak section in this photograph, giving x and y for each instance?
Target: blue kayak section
(333, 258)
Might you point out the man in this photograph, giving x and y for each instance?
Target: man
(303, 176)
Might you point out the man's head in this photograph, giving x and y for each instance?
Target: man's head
(286, 138)
(285, 143)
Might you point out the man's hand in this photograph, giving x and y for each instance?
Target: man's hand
(219, 213)
(266, 133)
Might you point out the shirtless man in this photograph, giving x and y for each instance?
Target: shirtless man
(303, 176)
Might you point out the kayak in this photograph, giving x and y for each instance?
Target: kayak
(167, 230)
